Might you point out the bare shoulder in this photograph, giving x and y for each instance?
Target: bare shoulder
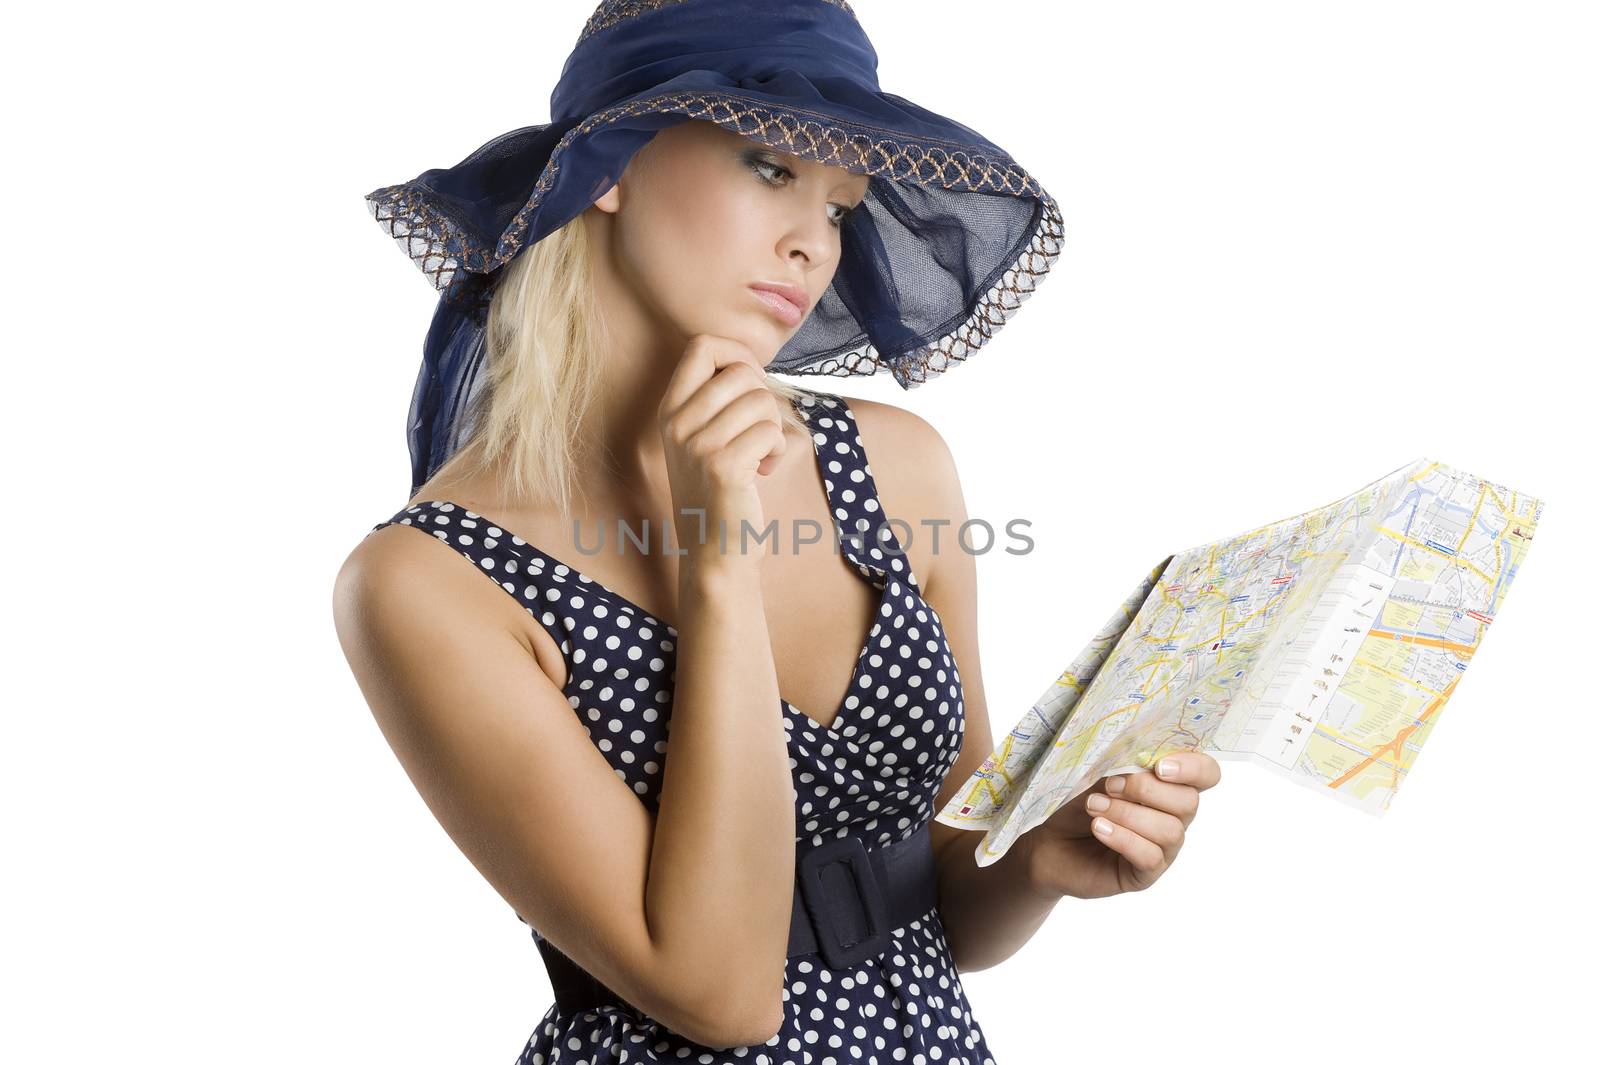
(905, 447)
(398, 574)
(395, 563)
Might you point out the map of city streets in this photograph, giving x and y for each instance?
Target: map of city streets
(1323, 647)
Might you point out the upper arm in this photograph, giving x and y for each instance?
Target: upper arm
(912, 460)
(501, 760)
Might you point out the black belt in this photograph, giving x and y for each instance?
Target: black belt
(847, 898)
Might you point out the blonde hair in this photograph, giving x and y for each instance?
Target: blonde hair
(542, 347)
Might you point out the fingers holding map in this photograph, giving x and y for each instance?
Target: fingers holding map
(1323, 647)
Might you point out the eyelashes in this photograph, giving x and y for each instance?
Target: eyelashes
(760, 166)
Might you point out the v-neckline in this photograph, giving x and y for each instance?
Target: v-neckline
(842, 710)
(551, 560)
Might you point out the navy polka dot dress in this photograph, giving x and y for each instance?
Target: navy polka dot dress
(873, 773)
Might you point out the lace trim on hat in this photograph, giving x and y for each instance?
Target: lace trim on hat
(611, 12)
(435, 243)
(805, 134)
(450, 260)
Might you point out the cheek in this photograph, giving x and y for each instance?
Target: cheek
(657, 249)
(698, 246)
(717, 227)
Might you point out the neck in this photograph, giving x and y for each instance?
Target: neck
(641, 350)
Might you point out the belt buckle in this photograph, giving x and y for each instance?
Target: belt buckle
(837, 915)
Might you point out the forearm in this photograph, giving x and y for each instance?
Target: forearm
(721, 877)
(989, 912)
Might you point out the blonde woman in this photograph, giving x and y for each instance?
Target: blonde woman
(682, 547)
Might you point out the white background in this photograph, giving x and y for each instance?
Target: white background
(1306, 243)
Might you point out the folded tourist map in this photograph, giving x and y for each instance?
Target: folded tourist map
(1322, 647)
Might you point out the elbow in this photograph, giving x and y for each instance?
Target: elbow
(722, 1034)
(765, 1021)
(724, 995)
(726, 1021)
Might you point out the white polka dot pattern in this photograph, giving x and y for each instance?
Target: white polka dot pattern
(874, 772)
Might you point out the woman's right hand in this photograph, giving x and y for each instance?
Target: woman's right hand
(720, 427)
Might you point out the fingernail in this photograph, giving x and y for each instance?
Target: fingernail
(1167, 768)
(1115, 784)
(1097, 803)
(1102, 827)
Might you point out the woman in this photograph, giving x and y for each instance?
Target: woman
(626, 353)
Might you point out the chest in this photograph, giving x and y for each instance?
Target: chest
(819, 609)
(820, 605)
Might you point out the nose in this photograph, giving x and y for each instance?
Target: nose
(810, 237)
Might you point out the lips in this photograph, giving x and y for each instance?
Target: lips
(788, 302)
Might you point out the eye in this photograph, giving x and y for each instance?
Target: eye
(762, 166)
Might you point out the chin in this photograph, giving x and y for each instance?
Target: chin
(762, 336)
(763, 343)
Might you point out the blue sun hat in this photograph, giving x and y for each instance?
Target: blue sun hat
(952, 237)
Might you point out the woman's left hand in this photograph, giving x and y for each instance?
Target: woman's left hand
(1123, 833)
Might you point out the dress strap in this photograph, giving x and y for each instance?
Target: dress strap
(539, 583)
(865, 536)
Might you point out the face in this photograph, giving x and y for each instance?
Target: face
(702, 218)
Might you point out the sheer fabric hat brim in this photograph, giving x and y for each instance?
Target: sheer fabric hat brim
(953, 236)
